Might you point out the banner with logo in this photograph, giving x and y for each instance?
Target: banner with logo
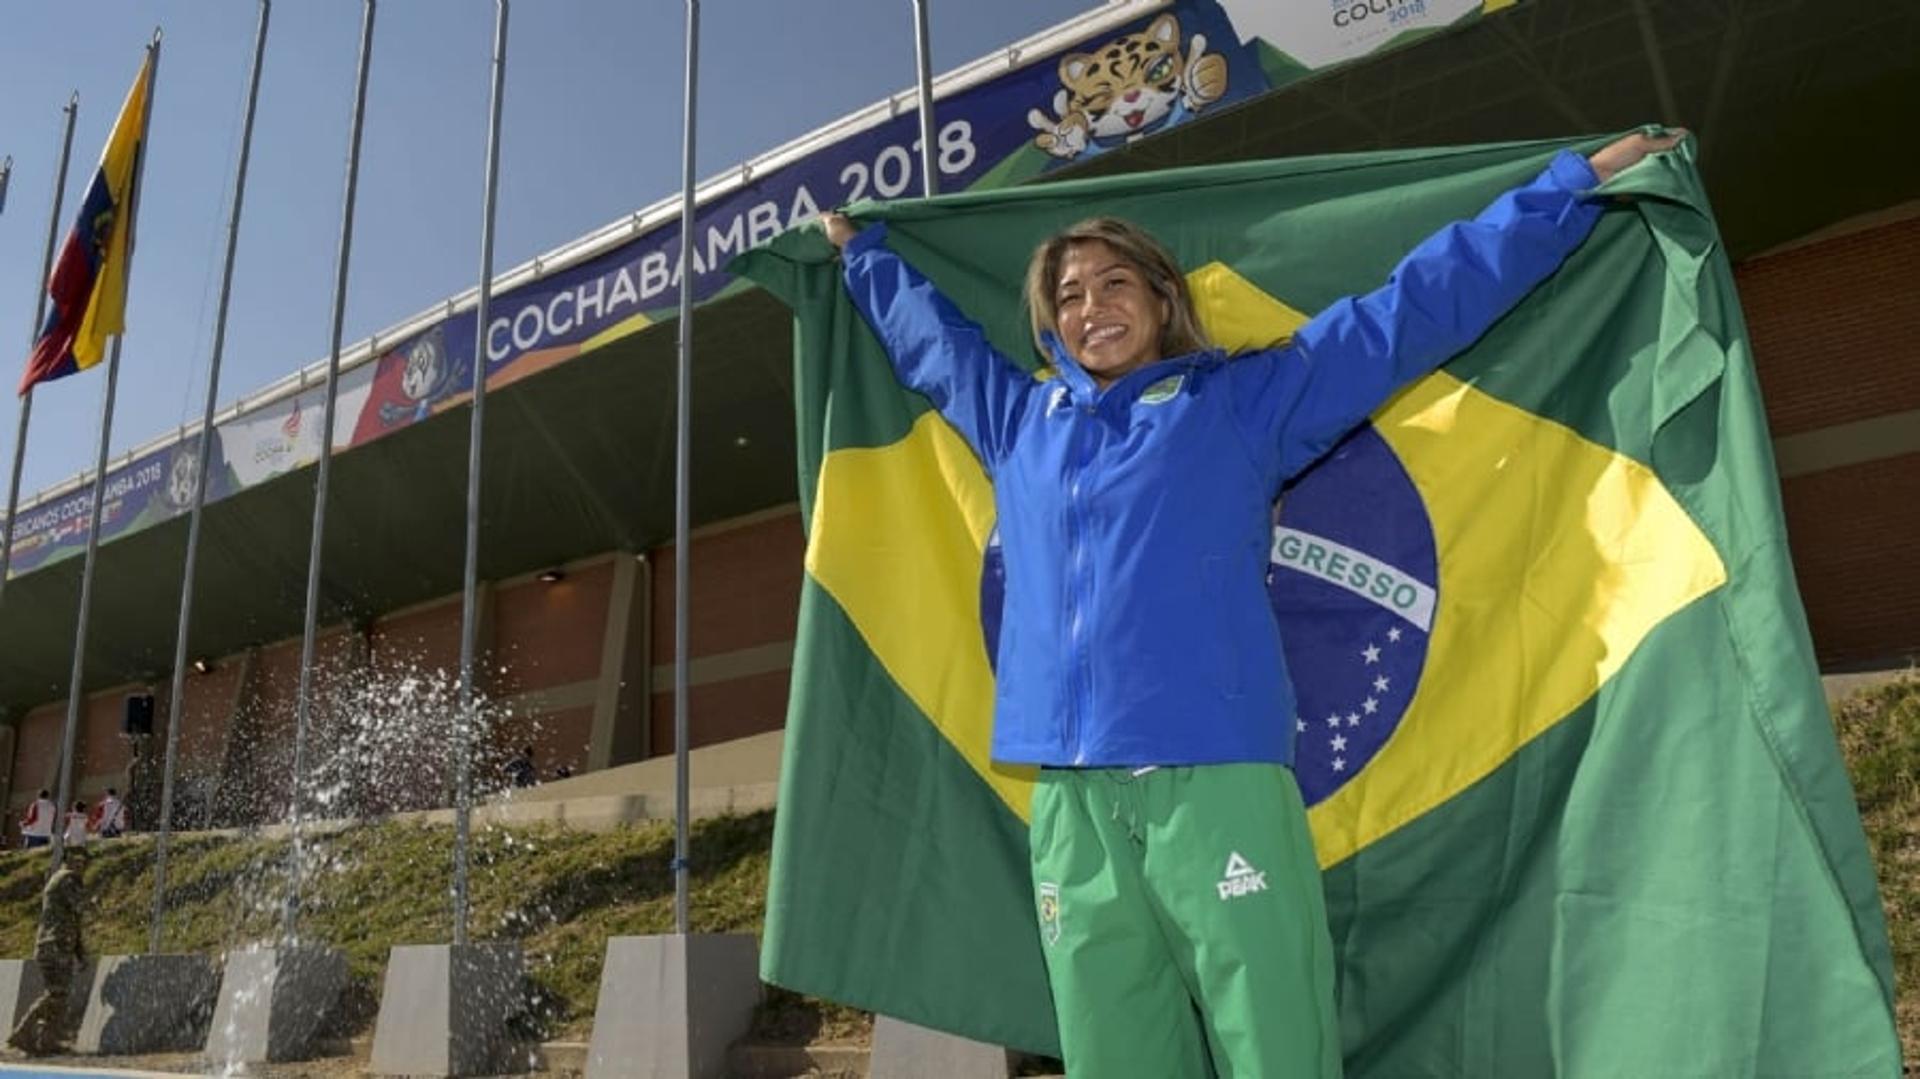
(1309, 35)
(153, 488)
(1185, 61)
(285, 435)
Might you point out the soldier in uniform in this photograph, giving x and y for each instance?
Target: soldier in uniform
(57, 952)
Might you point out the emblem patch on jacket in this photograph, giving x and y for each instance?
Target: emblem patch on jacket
(1050, 913)
(1163, 391)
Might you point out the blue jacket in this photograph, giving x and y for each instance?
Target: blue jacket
(1136, 521)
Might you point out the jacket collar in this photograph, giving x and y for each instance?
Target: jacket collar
(1084, 390)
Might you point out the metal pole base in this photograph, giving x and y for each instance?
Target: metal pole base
(445, 1009)
(902, 1050)
(274, 1002)
(148, 1004)
(670, 1006)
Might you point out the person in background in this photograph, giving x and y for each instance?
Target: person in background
(36, 828)
(57, 951)
(109, 816)
(77, 825)
(520, 769)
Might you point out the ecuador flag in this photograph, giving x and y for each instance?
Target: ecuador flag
(1571, 775)
(88, 288)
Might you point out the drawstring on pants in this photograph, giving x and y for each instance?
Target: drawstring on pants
(1132, 818)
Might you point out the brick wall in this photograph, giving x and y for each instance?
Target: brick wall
(1856, 549)
(1836, 338)
(1836, 327)
(746, 602)
(548, 635)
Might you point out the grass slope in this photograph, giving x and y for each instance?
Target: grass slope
(1880, 734)
(372, 886)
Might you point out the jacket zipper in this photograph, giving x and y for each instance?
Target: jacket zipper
(1080, 668)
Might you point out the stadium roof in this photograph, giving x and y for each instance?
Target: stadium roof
(1804, 113)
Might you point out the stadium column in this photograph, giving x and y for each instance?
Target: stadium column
(236, 747)
(622, 716)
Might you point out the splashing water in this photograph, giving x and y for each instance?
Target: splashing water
(382, 741)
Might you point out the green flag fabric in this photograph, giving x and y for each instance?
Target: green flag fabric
(1572, 780)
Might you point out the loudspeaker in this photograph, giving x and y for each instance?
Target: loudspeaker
(138, 718)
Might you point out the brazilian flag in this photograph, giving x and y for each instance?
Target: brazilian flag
(1571, 774)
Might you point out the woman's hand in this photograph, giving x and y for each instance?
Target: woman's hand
(839, 228)
(1615, 157)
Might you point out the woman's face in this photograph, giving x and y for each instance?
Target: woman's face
(1109, 318)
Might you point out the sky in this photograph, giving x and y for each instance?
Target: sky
(591, 130)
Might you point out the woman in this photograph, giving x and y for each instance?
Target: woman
(1139, 663)
(76, 833)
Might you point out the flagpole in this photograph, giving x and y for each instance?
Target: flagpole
(295, 853)
(177, 691)
(923, 64)
(470, 589)
(39, 317)
(76, 695)
(683, 409)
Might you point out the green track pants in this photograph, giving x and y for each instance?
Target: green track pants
(1183, 924)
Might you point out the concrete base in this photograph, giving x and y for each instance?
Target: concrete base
(444, 1011)
(20, 987)
(148, 1004)
(670, 1006)
(902, 1050)
(274, 1002)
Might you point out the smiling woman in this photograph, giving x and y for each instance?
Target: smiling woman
(1114, 296)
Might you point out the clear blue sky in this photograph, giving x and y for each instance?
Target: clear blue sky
(591, 131)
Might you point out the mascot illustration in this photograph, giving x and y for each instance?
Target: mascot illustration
(1132, 86)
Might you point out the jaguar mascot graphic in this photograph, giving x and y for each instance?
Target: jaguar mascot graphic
(1135, 85)
(424, 376)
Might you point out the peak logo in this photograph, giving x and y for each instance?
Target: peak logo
(1240, 879)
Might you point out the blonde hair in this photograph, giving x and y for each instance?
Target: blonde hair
(1182, 333)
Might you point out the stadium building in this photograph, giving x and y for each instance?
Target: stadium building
(1803, 112)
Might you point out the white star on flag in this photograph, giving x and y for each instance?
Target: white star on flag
(1393, 633)
(1299, 724)
(1339, 742)
(1333, 720)
(1339, 764)
(1353, 720)
(1370, 705)
(1380, 684)
(1372, 653)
